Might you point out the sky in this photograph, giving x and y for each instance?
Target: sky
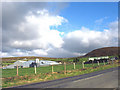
(57, 29)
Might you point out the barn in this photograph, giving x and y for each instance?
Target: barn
(96, 59)
(30, 63)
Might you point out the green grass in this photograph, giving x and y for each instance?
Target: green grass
(46, 69)
(27, 75)
(24, 71)
(20, 80)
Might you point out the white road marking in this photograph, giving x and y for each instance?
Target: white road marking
(88, 78)
(113, 71)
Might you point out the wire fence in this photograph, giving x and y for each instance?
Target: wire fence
(62, 68)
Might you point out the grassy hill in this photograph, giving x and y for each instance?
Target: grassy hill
(106, 51)
(25, 57)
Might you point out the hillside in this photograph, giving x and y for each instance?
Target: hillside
(25, 57)
(106, 51)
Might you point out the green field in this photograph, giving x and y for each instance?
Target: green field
(44, 76)
(27, 75)
(46, 69)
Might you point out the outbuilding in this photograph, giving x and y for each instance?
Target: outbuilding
(96, 59)
(31, 63)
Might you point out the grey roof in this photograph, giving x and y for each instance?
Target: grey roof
(45, 62)
(26, 64)
(19, 63)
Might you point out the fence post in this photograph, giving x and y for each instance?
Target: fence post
(35, 69)
(17, 70)
(104, 62)
(109, 61)
(65, 67)
(52, 69)
(98, 63)
(74, 65)
(112, 61)
(92, 62)
(83, 64)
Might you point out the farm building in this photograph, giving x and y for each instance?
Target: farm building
(96, 59)
(113, 58)
(30, 63)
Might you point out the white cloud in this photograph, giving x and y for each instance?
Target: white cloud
(29, 34)
(75, 43)
(62, 33)
(99, 21)
(5, 54)
(85, 40)
(18, 53)
(61, 52)
(21, 43)
(39, 52)
(45, 19)
(35, 31)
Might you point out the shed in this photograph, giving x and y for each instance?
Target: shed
(98, 58)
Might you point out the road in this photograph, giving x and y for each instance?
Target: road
(100, 79)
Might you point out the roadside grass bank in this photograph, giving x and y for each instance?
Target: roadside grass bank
(32, 78)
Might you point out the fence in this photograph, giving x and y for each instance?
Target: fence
(63, 68)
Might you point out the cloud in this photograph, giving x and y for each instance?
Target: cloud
(30, 32)
(5, 54)
(26, 32)
(35, 32)
(61, 52)
(39, 52)
(85, 40)
(75, 43)
(100, 21)
(15, 12)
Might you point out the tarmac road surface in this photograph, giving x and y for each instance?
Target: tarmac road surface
(101, 79)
